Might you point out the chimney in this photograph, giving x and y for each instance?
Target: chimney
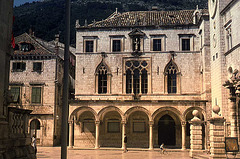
(56, 41)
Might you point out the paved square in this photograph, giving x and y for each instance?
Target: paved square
(55, 153)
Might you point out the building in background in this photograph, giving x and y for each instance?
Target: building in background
(141, 73)
(225, 60)
(14, 138)
(36, 81)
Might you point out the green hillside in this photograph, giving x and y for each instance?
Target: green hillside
(47, 18)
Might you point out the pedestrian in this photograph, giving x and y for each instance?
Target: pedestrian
(125, 143)
(162, 148)
(34, 143)
(208, 149)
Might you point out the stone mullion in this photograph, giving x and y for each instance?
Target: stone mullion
(140, 83)
(132, 83)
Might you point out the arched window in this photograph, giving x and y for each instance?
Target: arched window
(102, 79)
(171, 78)
(136, 77)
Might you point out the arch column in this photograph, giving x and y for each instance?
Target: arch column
(70, 133)
(97, 123)
(183, 135)
(123, 132)
(151, 135)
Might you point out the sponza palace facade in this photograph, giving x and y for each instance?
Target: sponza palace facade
(142, 74)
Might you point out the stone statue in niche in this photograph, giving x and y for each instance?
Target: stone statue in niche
(136, 44)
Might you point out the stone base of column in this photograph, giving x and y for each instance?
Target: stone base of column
(194, 153)
(70, 147)
(150, 148)
(183, 149)
(97, 147)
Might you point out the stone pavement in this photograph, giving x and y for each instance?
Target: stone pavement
(55, 153)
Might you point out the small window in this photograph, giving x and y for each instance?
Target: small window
(15, 94)
(213, 58)
(25, 47)
(116, 45)
(157, 45)
(18, 66)
(89, 46)
(185, 44)
(139, 127)
(88, 126)
(37, 66)
(113, 127)
(36, 95)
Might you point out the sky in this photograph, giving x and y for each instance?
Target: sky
(19, 2)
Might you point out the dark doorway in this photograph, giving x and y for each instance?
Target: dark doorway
(166, 131)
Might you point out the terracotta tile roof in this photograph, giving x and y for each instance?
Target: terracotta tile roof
(147, 18)
(38, 48)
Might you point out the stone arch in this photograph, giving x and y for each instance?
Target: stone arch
(171, 61)
(195, 108)
(188, 116)
(171, 109)
(167, 126)
(137, 108)
(80, 110)
(33, 118)
(107, 109)
(103, 63)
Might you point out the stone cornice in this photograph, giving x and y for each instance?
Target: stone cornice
(232, 49)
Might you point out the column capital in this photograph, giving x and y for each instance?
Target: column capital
(124, 122)
(97, 122)
(183, 123)
(151, 123)
(70, 121)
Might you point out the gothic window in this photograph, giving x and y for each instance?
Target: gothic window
(172, 78)
(103, 79)
(136, 76)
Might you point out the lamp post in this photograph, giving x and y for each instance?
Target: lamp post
(65, 107)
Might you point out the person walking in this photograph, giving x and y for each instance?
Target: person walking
(125, 143)
(34, 143)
